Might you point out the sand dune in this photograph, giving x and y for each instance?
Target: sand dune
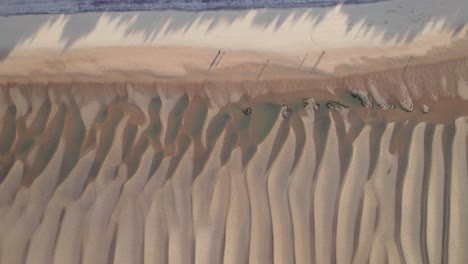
(150, 174)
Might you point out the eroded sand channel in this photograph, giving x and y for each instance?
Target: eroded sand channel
(175, 171)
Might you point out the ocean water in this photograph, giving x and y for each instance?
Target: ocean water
(18, 7)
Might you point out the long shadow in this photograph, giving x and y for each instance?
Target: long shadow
(403, 21)
(393, 20)
(14, 31)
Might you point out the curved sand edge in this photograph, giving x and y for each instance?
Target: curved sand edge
(174, 178)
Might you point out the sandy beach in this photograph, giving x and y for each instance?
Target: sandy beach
(294, 135)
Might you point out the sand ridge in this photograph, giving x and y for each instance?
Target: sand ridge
(138, 183)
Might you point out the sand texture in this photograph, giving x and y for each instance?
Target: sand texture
(273, 135)
(174, 172)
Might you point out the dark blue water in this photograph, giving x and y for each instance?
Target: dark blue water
(16, 7)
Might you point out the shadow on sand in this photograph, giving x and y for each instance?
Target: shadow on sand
(397, 20)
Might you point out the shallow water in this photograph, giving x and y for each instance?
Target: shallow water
(16, 7)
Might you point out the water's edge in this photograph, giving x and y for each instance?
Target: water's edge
(14, 7)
